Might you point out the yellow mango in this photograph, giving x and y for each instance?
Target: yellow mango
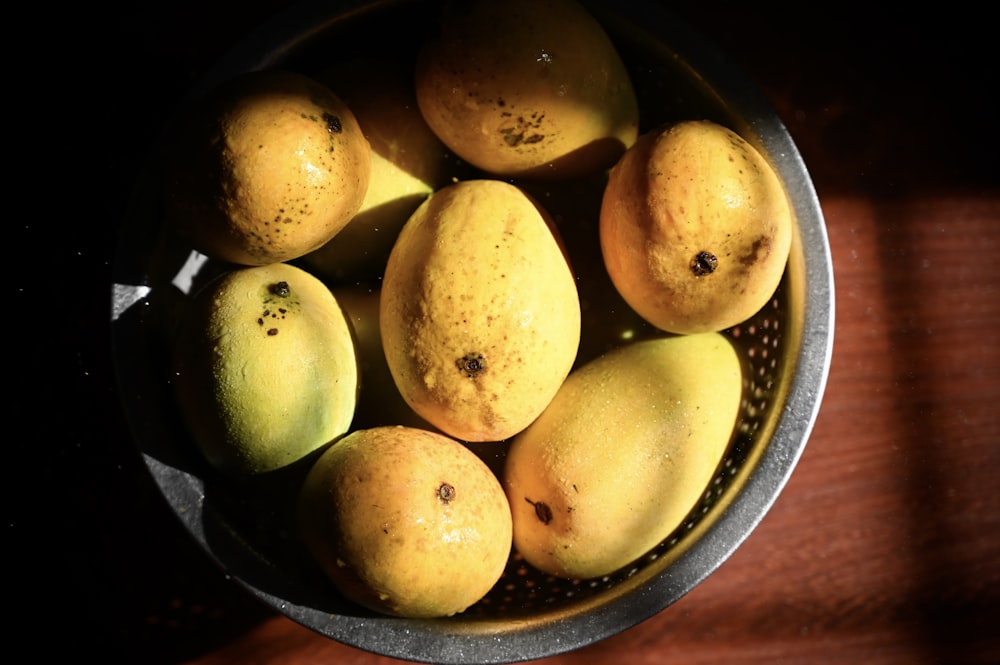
(268, 167)
(527, 89)
(479, 312)
(408, 162)
(695, 228)
(622, 454)
(406, 522)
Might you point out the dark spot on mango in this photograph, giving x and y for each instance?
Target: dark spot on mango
(704, 263)
(271, 332)
(446, 493)
(332, 123)
(471, 364)
(760, 249)
(542, 510)
(281, 289)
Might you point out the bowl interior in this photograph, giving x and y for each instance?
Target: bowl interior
(528, 615)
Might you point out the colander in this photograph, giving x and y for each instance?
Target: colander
(786, 349)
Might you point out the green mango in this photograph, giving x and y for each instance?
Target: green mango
(265, 369)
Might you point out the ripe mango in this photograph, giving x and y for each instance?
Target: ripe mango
(622, 454)
(269, 166)
(527, 89)
(408, 162)
(479, 313)
(405, 521)
(265, 371)
(379, 401)
(695, 228)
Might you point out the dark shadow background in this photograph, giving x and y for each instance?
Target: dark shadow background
(99, 566)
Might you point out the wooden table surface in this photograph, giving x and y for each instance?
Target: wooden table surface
(884, 547)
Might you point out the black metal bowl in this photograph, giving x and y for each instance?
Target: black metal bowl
(528, 615)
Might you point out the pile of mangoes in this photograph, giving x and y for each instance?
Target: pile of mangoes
(304, 188)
